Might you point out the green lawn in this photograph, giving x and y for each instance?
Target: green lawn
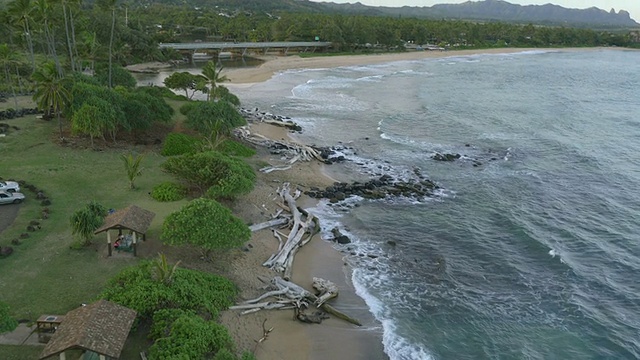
(14, 352)
(43, 275)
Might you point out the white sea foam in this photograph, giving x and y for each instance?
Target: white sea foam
(395, 346)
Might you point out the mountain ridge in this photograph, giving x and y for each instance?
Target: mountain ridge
(499, 10)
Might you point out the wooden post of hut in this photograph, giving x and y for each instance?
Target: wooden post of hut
(134, 244)
(109, 242)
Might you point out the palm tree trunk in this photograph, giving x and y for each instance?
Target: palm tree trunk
(30, 45)
(66, 30)
(59, 122)
(73, 41)
(113, 25)
(13, 90)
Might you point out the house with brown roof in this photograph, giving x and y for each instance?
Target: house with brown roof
(99, 329)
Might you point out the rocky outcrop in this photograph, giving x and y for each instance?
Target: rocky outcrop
(379, 188)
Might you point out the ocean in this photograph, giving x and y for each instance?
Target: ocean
(534, 252)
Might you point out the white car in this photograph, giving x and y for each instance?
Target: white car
(10, 186)
(11, 197)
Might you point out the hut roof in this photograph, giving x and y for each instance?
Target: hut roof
(130, 218)
(101, 327)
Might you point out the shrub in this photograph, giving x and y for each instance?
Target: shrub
(214, 117)
(168, 191)
(188, 336)
(179, 144)
(203, 293)
(7, 323)
(186, 108)
(160, 92)
(119, 76)
(234, 148)
(222, 175)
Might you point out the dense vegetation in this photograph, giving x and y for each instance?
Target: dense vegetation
(98, 35)
(180, 304)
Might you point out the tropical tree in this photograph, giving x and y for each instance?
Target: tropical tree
(184, 81)
(87, 120)
(9, 58)
(132, 167)
(86, 220)
(214, 120)
(213, 73)
(43, 14)
(206, 224)
(51, 93)
(22, 12)
(110, 5)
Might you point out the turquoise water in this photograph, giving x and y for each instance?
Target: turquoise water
(535, 254)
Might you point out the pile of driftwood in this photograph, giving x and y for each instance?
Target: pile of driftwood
(291, 151)
(281, 293)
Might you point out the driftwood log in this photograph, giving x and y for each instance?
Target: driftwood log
(304, 226)
(292, 152)
(288, 295)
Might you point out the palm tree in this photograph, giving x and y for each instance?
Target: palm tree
(162, 271)
(22, 12)
(132, 166)
(213, 73)
(44, 12)
(8, 58)
(51, 93)
(111, 6)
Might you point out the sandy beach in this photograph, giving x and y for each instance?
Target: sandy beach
(290, 339)
(277, 64)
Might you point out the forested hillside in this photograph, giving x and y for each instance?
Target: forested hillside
(80, 35)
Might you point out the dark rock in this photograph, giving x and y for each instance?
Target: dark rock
(391, 242)
(45, 202)
(342, 240)
(24, 235)
(445, 157)
(6, 251)
(34, 222)
(372, 256)
(15, 241)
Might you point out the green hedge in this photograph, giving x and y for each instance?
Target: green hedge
(168, 191)
(179, 144)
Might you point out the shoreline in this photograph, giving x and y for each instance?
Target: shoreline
(291, 339)
(245, 77)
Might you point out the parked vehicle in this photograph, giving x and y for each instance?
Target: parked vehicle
(7, 197)
(10, 186)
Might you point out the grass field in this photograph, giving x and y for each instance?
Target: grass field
(44, 275)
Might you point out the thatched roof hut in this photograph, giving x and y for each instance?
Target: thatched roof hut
(101, 328)
(130, 218)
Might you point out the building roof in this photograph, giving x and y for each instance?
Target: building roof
(131, 218)
(101, 327)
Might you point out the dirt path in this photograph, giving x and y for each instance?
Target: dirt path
(8, 214)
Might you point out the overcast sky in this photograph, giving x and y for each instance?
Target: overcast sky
(632, 6)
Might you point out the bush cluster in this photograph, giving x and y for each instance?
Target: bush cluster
(179, 144)
(234, 148)
(168, 191)
(203, 293)
(7, 323)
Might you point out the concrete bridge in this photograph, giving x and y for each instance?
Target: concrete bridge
(243, 47)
